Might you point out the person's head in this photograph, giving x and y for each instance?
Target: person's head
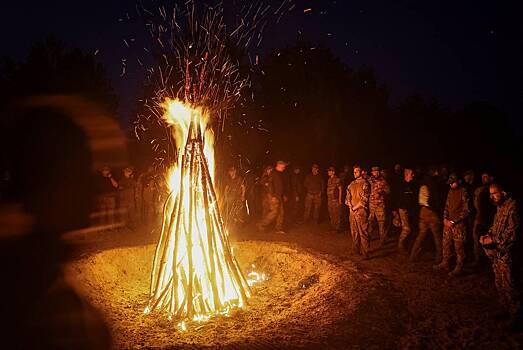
(346, 169)
(468, 176)
(375, 171)
(232, 172)
(105, 171)
(267, 170)
(280, 166)
(315, 169)
(356, 170)
(433, 171)
(364, 173)
(497, 194)
(453, 181)
(486, 178)
(444, 171)
(384, 173)
(397, 168)
(408, 174)
(128, 172)
(296, 170)
(331, 171)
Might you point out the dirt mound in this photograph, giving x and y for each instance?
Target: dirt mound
(304, 296)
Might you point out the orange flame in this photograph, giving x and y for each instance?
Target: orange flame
(195, 274)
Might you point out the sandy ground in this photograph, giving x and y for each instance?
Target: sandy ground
(385, 302)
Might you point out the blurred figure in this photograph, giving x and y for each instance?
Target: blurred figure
(297, 192)
(431, 202)
(501, 245)
(379, 189)
(106, 187)
(42, 311)
(314, 187)
(278, 196)
(128, 187)
(455, 218)
(357, 200)
(334, 190)
(407, 203)
(234, 198)
(484, 214)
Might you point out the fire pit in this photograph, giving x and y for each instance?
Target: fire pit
(300, 303)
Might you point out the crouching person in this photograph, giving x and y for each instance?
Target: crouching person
(499, 245)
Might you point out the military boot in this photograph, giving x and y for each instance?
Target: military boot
(442, 266)
(457, 270)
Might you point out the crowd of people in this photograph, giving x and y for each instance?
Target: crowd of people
(128, 199)
(466, 220)
(464, 217)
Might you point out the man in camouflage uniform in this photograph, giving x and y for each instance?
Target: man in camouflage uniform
(455, 218)
(357, 200)
(345, 178)
(278, 196)
(334, 190)
(379, 188)
(484, 214)
(314, 187)
(500, 245)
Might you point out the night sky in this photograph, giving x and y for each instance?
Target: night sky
(455, 52)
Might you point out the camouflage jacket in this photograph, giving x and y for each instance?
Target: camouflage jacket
(379, 188)
(358, 193)
(457, 205)
(505, 229)
(333, 188)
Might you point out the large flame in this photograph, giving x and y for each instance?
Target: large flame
(195, 274)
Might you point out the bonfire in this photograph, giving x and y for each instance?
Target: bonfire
(195, 274)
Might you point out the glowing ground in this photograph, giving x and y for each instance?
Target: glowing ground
(304, 301)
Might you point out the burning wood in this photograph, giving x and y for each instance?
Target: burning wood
(195, 274)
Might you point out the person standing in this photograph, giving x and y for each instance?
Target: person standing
(379, 189)
(431, 203)
(345, 178)
(278, 196)
(407, 202)
(334, 190)
(296, 195)
(455, 218)
(234, 198)
(314, 187)
(357, 200)
(501, 244)
(484, 214)
(265, 190)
